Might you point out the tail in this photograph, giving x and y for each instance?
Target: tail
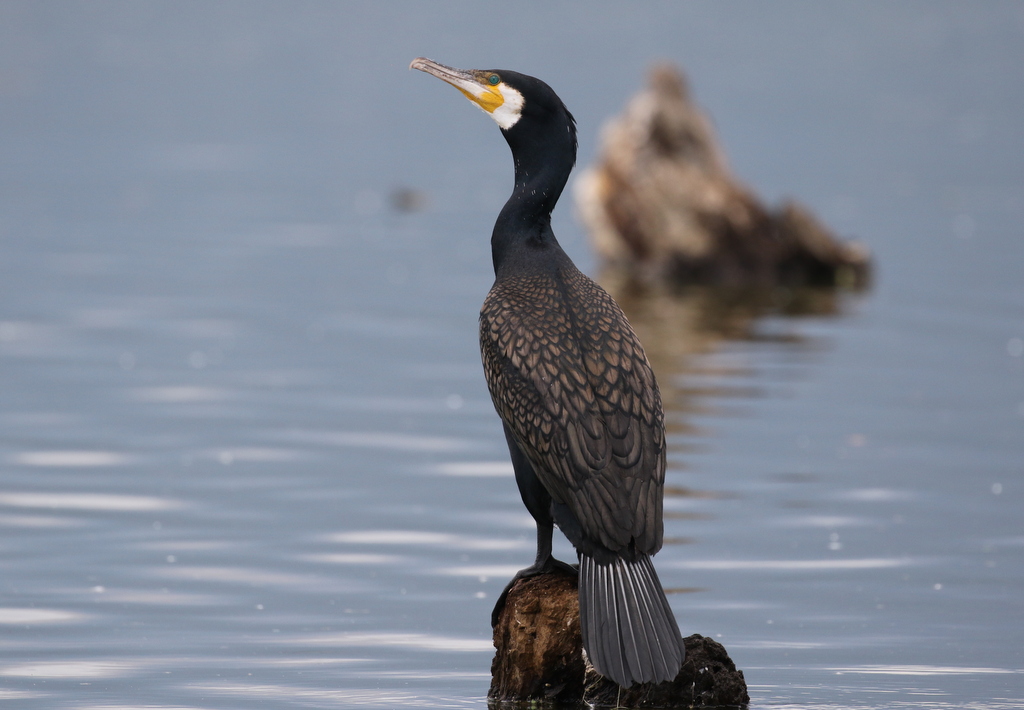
(629, 632)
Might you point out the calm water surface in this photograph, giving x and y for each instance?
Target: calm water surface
(247, 458)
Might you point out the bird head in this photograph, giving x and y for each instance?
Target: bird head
(535, 123)
(530, 114)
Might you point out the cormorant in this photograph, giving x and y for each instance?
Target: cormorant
(581, 410)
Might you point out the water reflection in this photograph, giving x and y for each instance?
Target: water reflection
(678, 324)
(686, 333)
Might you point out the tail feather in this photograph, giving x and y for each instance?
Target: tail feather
(653, 599)
(631, 623)
(629, 632)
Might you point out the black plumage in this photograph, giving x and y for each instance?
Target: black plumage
(580, 406)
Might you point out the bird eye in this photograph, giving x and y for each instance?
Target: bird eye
(494, 80)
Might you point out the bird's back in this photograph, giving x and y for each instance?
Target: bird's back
(569, 378)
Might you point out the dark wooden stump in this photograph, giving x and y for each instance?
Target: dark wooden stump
(708, 678)
(539, 647)
(539, 657)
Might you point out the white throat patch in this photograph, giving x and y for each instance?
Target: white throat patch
(511, 108)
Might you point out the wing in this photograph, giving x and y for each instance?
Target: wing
(569, 377)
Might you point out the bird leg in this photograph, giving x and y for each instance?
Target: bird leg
(544, 563)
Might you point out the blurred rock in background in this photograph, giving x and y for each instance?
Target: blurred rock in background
(661, 205)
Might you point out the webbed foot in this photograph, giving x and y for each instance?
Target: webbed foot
(548, 565)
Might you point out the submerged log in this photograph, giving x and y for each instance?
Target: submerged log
(539, 658)
(661, 205)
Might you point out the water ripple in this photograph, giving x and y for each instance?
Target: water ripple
(348, 697)
(159, 597)
(378, 440)
(240, 575)
(70, 459)
(88, 501)
(14, 615)
(254, 454)
(822, 521)
(70, 669)
(485, 469)
(420, 642)
(423, 537)
(925, 670)
(179, 394)
(6, 694)
(482, 572)
(353, 559)
(38, 521)
(875, 495)
(795, 565)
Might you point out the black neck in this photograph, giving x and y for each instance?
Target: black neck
(544, 156)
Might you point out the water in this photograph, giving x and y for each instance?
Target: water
(248, 459)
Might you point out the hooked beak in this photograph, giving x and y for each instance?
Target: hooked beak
(471, 82)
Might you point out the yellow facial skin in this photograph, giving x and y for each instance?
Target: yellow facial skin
(489, 97)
